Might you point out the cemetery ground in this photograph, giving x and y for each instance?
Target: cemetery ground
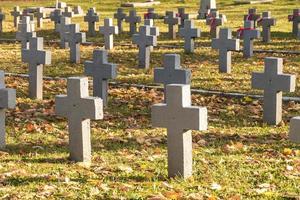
(238, 157)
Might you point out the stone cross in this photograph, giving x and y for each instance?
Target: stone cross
(101, 71)
(294, 134)
(144, 40)
(63, 28)
(79, 108)
(120, 16)
(266, 22)
(8, 101)
(295, 18)
(16, 13)
(214, 20)
(78, 10)
(74, 37)
(2, 18)
(252, 16)
(172, 20)
(273, 82)
(183, 16)
(172, 73)
(189, 33)
(151, 14)
(108, 30)
(205, 7)
(91, 17)
(179, 117)
(60, 4)
(225, 44)
(248, 34)
(26, 13)
(68, 12)
(154, 31)
(55, 16)
(133, 20)
(40, 15)
(36, 57)
(25, 31)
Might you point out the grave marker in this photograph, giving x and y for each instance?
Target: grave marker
(252, 16)
(151, 14)
(273, 82)
(55, 16)
(68, 12)
(189, 33)
(78, 10)
(266, 22)
(108, 30)
(144, 40)
(294, 134)
(205, 8)
(79, 108)
(91, 17)
(172, 21)
(74, 37)
(133, 20)
(154, 31)
(295, 18)
(63, 29)
(36, 57)
(101, 71)
(225, 44)
(183, 16)
(40, 15)
(214, 20)
(120, 16)
(8, 101)
(25, 31)
(178, 116)
(16, 13)
(2, 18)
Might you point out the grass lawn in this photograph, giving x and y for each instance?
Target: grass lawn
(238, 157)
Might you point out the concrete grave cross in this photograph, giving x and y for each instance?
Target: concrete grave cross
(266, 22)
(79, 108)
(120, 16)
(144, 40)
(68, 12)
(78, 10)
(154, 31)
(151, 14)
(252, 16)
(225, 44)
(133, 20)
(172, 73)
(40, 15)
(55, 16)
(101, 71)
(2, 18)
(273, 82)
(214, 20)
(189, 33)
(74, 37)
(295, 18)
(16, 13)
(108, 30)
(63, 28)
(25, 31)
(294, 134)
(61, 5)
(183, 16)
(36, 57)
(179, 117)
(172, 20)
(26, 13)
(248, 34)
(7, 101)
(91, 17)
(205, 8)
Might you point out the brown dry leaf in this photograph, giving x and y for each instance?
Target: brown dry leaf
(173, 195)
(30, 127)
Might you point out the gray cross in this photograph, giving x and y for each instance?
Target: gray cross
(225, 44)
(183, 16)
(154, 31)
(266, 22)
(78, 11)
(16, 13)
(179, 117)
(2, 18)
(133, 20)
(79, 108)
(8, 100)
(294, 134)
(63, 28)
(189, 33)
(36, 57)
(214, 20)
(68, 12)
(120, 16)
(74, 37)
(108, 30)
(295, 18)
(252, 16)
(26, 13)
(91, 17)
(101, 71)
(172, 21)
(144, 40)
(172, 73)
(151, 14)
(273, 82)
(248, 34)
(40, 14)
(25, 31)
(55, 16)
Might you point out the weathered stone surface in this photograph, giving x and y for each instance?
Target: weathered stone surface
(266, 22)
(91, 18)
(189, 33)
(120, 16)
(294, 135)
(133, 20)
(74, 37)
(172, 20)
(108, 30)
